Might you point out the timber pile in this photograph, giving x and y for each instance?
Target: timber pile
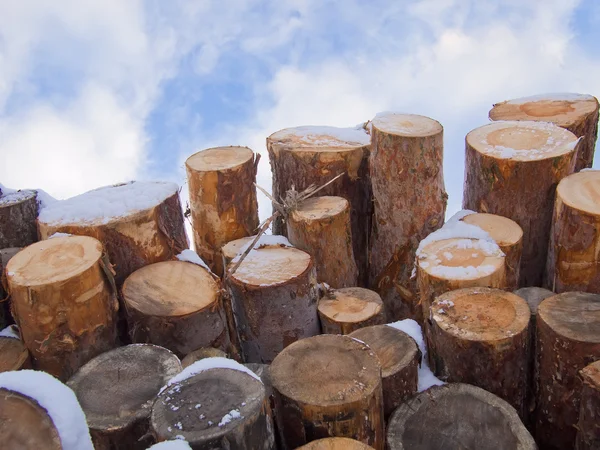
(342, 311)
(588, 426)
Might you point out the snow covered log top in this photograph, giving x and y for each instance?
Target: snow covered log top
(588, 428)
(322, 137)
(335, 443)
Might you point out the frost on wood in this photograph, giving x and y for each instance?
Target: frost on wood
(11, 331)
(192, 256)
(263, 241)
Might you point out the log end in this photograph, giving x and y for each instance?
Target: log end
(335, 443)
(534, 296)
(409, 125)
(219, 158)
(504, 231)
(572, 315)
(581, 191)
(348, 309)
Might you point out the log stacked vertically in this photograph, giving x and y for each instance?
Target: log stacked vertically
(5, 315)
(578, 113)
(409, 203)
(512, 169)
(343, 311)
(222, 199)
(18, 214)
(588, 426)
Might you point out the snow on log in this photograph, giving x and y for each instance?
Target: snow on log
(116, 390)
(18, 214)
(237, 247)
(578, 113)
(202, 353)
(63, 302)
(321, 227)
(5, 315)
(335, 443)
(512, 169)
(341, 311)
(13, 354)
(409, 203)
(588, 427)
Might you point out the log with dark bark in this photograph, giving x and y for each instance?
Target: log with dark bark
(13, 354)
(342, 311)
(588, 427)
(335, 443)
(18, 214)
(5, 315)
(202, 353)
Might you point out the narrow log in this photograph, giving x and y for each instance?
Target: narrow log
(6, 317)
(512, 169)
(177, 305)
(18, 214)
(412, 146)
(321, 227)
(328, 386)
(578, 113)
(335, 443)
(588, 427)
(222, 199)
(342, 311)
(567, 340)
(116, 390)
(63, 302)
(399, 358)
(13, 354)
(464, 417)
(202, 353)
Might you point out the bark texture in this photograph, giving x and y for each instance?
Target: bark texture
(13, 355)
(588, 427)
(18, 214)
(5, 314)
(342, 311)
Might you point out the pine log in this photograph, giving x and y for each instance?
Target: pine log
(139, 223)
(578, 113)
(588, 427)
(18, 214)
(63, 302)
(234, 248)
(5, 315)
(202, 353)
(177, 305)
(274, 297)
(328, 386)
(116, 390)
(13, 354)
(222, 199)
(573, 261)
(399, 358)
(509, 237)
(335, 443)
(512, 169)
(457, 416)
(216, 408)
(342, 311)
(321, 227)
(567, 340)
(409, 204)
(480, 336)
(304, 156)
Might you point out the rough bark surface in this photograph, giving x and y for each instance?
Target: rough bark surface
(588, 427)
(335, 443)
(13, 355)
(5, 314)
(342, 311)
(18, 214)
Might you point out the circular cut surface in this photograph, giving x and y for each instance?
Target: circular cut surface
(326, 370)
(272, 265)
(316, 208)
(573, 315)
(581, 191)
(502, 229)
(12, 354)
(481, 314)
(53, 260)
(394, 348)
(170, 288)
(351, 305)
(219, 158)
(534, 296)
(409, 125)
(118, 387)
(522, 141)
(320, 138)
(591, 374)
(335, 443)
(15, 197)
(231, 249)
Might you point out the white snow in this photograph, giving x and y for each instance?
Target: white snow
(192, 256)
(58, 400)
(43, 198)
(56, 235)
(178, 444)
(556, 96)
(11, 331)
(327, 136)
(231, 415)
(263, 241)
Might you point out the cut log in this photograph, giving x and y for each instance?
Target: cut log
(456, 263)
(588, 427)
(328, 386)
(13, 354)
(342, 311)
(234, 248)
(399, 357)
(63, 302)
(409, 203)
(509, 237)
(457, 416)
(5, 315)
(335, 443)
(274, 297)
(567, 340)
(321, 227)
(177, 305)
(18, 214)
(222, 199)
(216, 408)
(116, 391)
(480, 336)
(264, 372)
(573, 261)
(512, 169)
(304, 156)
(578, 113)
(139, 223)
(202, 353)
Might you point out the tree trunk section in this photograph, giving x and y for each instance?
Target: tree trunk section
(5, 314)
(342, 311)
(233, 248)
(18, 214)
(588, 427)
(202, 353)
(13, 354)
(335, 443)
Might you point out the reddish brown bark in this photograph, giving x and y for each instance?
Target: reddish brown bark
(588, 427)
(18, 214)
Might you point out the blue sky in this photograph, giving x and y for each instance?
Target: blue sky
(97, 92)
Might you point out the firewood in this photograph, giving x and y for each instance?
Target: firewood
(18, 214)
(341, 311)
(335, 443)
(588, 427)
(202, 353)
(13, 354)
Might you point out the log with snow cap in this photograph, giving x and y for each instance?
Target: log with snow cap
(512, 169)
(18, 214)
(335, 443)
(341, 311)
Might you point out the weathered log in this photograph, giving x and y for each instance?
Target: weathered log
(304, 156)
(512, 169)
(116, 390)
(177, 305)
(222, 199)
(13, 354)
(202, 353)
(274, 297)
(321, 227)
(63, 302)
(328, 386)
(578, 113)
(588, 427)
(5, 315)
(457, 416)
(399, 357)
(342, 311)
(235, 247)
(567, 340)
(409, 203)
(139, 223)
(264, 372)
(18, 214)
(480, 336)
(335, 443)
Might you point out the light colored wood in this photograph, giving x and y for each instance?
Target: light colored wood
(18, 214)
(588, 426)
(341, 311)
(13, 355)
(232, 248)
(409, 204)
(335, 443)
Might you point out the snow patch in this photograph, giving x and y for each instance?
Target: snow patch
(192, 256)
(178, 444)
(58, 235)
(326, 136)
(263, 241)
(11, 331)
(231, 415)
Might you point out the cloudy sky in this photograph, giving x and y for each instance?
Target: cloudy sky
(98, 92)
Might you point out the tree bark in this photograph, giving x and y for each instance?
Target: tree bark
(13, 354)
(335, 443)
(342, 311)
(5, 315)
(18, 214)
(588, 427)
